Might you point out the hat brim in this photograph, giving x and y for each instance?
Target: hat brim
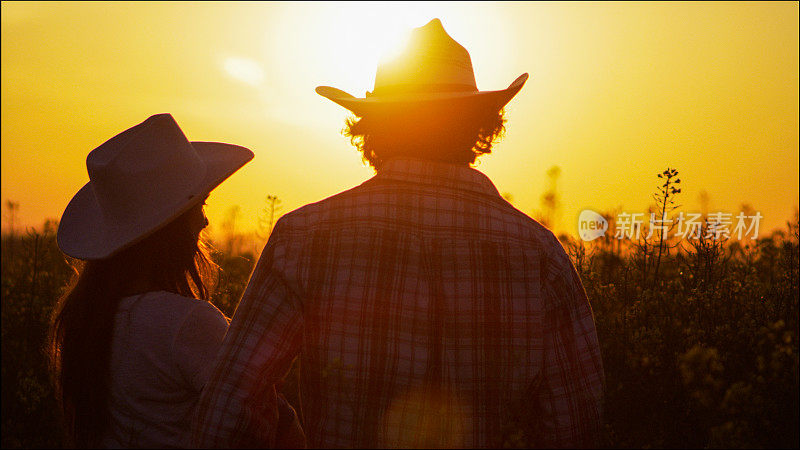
(85, 234)
(372, 104)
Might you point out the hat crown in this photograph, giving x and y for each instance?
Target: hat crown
(142, 168)
(432, 61)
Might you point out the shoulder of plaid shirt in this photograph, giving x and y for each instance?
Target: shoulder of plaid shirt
(421, 283)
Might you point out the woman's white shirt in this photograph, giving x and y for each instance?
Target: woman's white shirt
(162, 353)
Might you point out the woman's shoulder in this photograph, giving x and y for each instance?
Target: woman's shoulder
(163, 305)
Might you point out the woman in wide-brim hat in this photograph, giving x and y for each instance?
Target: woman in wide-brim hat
(134, 337)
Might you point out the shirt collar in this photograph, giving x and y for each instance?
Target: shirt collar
(436, 173)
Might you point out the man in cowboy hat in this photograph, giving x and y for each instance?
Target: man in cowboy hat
(425, 310)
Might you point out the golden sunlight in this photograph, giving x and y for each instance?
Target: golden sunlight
(690, 86)
(351, 38)
(642, 307)
(341, 44)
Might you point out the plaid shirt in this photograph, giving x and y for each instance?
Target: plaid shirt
(425, 311)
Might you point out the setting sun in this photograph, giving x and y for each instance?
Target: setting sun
(345, 42)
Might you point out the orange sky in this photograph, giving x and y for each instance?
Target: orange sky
(617, 93)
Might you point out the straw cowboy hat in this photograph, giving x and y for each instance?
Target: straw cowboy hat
(433, 70)
(139, 181)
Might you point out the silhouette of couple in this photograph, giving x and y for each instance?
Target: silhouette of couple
(424, 309)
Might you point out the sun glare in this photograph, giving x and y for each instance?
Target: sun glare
(367, 33)
(343, 43)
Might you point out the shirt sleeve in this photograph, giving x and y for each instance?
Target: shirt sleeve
(196, 343)
(239, 407)
(570, 391)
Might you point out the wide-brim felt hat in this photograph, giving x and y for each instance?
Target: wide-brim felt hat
(139, 181)
(433, 71)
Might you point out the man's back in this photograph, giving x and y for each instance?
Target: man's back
(426, 311)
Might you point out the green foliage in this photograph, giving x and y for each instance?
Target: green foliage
(33, 273)
(703, 355)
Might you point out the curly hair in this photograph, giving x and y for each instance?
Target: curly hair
(439, 134)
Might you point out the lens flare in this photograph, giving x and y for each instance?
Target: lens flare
(244, 70)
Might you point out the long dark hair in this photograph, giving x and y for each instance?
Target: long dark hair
(173, 259)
